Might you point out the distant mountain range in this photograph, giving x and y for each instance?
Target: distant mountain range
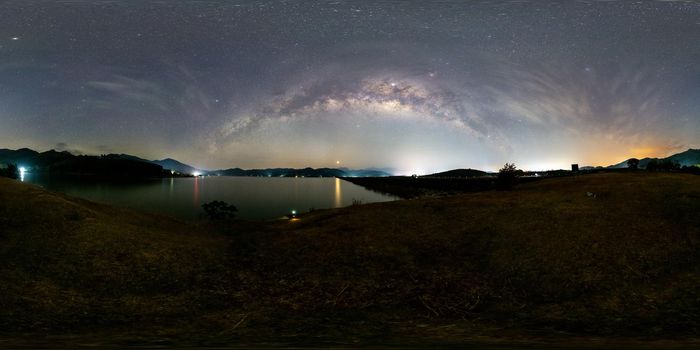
(459, 173)
(118, 165)
(56, 162)
(167, 163)
(64, 163)
(688, 158)
(172, 164)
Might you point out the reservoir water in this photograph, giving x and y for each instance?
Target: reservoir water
(255, 197)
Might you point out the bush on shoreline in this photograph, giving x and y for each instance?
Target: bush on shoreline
(219, 210)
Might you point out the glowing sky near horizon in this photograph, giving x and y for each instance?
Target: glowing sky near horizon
(414, 86)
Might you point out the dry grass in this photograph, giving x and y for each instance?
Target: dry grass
(70, 264)
(544, 259)
(546, 256)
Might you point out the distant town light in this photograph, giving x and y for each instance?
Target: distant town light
(22, 170)
(197, 173)
(172, 172)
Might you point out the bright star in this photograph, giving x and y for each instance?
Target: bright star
(15, 38)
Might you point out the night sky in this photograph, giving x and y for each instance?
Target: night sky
(415, 86)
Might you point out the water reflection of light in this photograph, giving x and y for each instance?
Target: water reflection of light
(171, 187)
(338, 193)
(196, 191)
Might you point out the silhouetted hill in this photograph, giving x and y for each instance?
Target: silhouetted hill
(167, 163)
(172, 164)
(459, 173)
(105, 167)
(64, 163)
(127, 156)
(623, 165)
(688, 158)
(50, 160)
(16, 156)
(28, 158)
(367, 172)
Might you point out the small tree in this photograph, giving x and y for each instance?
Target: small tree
(508, 176)
(219, 210)
(633, 163)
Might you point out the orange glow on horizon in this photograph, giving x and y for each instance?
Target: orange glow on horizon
(608, 152)
(644, 152)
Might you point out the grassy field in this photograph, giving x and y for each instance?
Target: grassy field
(408, 187)
(595, 259)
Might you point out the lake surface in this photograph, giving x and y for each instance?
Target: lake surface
(255, 197)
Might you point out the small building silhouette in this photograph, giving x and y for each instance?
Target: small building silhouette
(574, 167)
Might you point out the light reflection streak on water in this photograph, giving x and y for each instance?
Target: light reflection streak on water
(195, 193)
(338, 194)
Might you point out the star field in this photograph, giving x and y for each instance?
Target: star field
(416, 86)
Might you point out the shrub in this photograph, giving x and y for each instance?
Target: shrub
(508, 176)
(219, 210)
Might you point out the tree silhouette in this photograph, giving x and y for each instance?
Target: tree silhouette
(219, 210)
(508, 176)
